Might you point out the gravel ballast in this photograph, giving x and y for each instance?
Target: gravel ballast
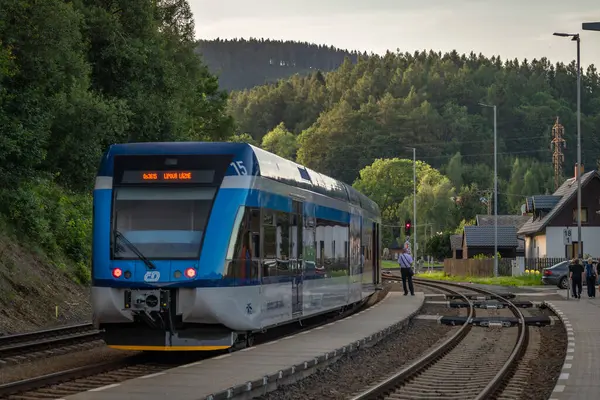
(61, 363)
(441, 310)
(546, 368)
(360, 369)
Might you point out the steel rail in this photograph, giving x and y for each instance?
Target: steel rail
(391, 383)
(417, 367)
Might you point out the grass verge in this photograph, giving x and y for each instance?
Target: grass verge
(389, 264)
(525, 280)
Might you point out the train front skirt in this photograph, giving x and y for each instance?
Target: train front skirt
(146, 339)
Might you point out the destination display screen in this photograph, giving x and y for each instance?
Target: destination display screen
(192, 176)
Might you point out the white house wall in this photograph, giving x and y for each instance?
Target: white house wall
(556, 249)
(536, 246)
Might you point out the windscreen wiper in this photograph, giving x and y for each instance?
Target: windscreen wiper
(131, 246)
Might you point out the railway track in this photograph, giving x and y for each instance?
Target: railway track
(69, 382)
(472, 364)
(24, 346)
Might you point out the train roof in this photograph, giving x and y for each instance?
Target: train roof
(266, 164)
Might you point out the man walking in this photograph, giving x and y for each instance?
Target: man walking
(576, 272)
(405, 261)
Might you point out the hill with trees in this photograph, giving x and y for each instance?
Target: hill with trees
(76, 77)
(345, 120)
(243, 64)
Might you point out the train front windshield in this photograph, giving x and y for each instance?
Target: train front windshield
(161, 222)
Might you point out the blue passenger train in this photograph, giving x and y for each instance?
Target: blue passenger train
(196, 246)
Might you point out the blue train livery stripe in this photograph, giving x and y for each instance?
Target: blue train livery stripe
(247, 161)
(101, 231)
(224, 282)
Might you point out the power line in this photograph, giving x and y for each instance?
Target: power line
(486, 154)
(479, 141)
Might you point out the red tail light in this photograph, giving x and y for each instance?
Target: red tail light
(190, 273)
(117, 272)
(547, 272)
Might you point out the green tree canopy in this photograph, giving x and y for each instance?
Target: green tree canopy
(377, 106)
(281, 142)
(389, 181)
(77, 76)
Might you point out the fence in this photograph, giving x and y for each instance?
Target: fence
(485, 267)
(477, 267)
(538, 264)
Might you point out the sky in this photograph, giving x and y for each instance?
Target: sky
(509, 28)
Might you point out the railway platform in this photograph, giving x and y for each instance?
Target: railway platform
(580, 375)
(256, 370)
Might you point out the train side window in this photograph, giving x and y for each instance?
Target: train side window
(242, 259)
(283, 243)
(270, 251)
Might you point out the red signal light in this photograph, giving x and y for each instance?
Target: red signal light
(190, 273)
(117, 273)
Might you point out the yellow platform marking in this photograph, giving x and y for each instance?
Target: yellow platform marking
(168, 348)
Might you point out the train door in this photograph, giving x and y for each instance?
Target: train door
(376, 253)
(297, 260)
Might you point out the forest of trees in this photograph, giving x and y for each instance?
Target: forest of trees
(378, 108)
(75, 77)
(242, 64)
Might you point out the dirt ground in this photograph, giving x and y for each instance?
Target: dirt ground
(31, 290)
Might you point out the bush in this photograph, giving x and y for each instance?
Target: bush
(57, 221)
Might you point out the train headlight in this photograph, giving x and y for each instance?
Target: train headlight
(117, 272)
(190, 273)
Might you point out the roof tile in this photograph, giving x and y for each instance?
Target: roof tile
(503, 220)
(483, 236)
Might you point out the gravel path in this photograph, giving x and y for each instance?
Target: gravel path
(360, 369)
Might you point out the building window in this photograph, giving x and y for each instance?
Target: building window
(584, 215)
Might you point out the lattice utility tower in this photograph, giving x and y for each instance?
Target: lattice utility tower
(557, 144)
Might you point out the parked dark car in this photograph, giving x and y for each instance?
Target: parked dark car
(558, 275)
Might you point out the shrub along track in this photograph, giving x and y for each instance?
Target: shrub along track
(76, 380)
(472, 364)
(22, 347)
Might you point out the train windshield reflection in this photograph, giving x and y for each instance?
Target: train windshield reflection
(163, 223)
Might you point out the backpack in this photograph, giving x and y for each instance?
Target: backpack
(589, 270)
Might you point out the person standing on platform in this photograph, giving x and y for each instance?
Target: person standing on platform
(590, 277)
(597, 265)
(576, 273)
(405, 261)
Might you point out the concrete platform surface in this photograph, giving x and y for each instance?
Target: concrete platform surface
(580, 376)
(269, 364)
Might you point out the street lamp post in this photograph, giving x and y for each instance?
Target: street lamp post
(575, 37)
(495, 190)
(414, 222)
